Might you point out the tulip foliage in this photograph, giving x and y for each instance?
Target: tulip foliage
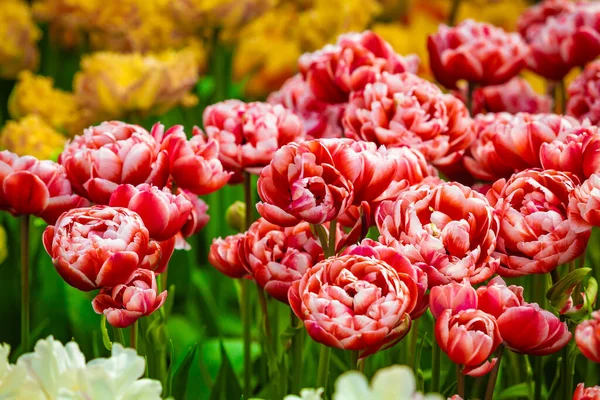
(362, 216)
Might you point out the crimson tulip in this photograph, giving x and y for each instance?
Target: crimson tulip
(98, 246)
(536, 15)
(126, 303)
(468, 338)
(41, 188)
(452, 296)
(113, 153)
(224, 256)
(545, 333)
(476, 52)
(496, 297)
(587, 337)
(583, 94)
(536, 235)
(354, 303)
(586, 393)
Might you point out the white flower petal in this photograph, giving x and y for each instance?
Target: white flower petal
(394, 383)
(352, 385)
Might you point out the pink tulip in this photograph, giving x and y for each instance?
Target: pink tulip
(565, 154)
(448, 230)
(591, 152)
(249, 134)
(355, 60)
(584, 205)
(508, 143)
(98, 246)
(536, 15)
(476, 52)
(496, 297)
(224, 255)
(535, 233)
(194, 163)
(453, 296)
(320, 119)
(41, 188)
(564, 41)
(528, 329)
(354, 303)
(400, 263)
(126, 303)
(311, 181)
(469, 338)
(587, 337)
(584, 94)
(278, 257)
(162, 212)
(589, 393)
(405, 110)
(113, 153)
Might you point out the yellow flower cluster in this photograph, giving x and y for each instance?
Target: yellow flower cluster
(32, 136)
(269, 46)
(115, 85)
(35, 94)
(124, 25)
(18, 47)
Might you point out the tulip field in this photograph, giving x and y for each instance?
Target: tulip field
(299, 200)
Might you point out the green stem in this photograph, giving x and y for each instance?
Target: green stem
(460, 378)
(565, 374)
(262, 299)
(248, 199)
(562, 96)
(538, 377)
(25, 291)
(332, 236)
(555, 276)
(413, 337)
(118, 336)
(489, 392)
(246, 326)
(354, 359)
(133, 335)
(323, 368)
(297, 359)
(435, 367)
(453, 12)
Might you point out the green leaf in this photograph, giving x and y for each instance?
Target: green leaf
(519, 390)
(560, 292)
(105, 337)
(226, 385)
(179, 379)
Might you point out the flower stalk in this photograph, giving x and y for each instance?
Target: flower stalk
(489, 392)
(25, 292)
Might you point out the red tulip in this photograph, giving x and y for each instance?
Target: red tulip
(354, 303)
(320, 119)
(584, 205)
(528, 329)
(496, 297)
(126, 303)
(536, 15)
(565, 153)
(110, 154)
(587, 337)
(249, 134)
(589, 393)
(448, 230)
(41, 188)
(584, 93)
(469, 338)
(224, 255)
(453, 296)
(163, 213)
(513, 97)
(277, 257)
(400, 263)
(567, 40)
(535, 234)
(591, 153)
(98, 246)
(311, 181)
(476, 52)
(355, 60)
(405, 110)
(194, 163)
(509, 143)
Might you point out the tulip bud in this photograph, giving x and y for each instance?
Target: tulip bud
(235, 216)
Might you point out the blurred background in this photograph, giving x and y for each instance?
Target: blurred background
(69, 64)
